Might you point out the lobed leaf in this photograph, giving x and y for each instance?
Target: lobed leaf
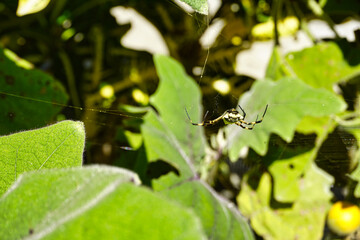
(177, 92)
(57, 146)
(289, 101)
(171, 137)
(287, 174)
(312, 205)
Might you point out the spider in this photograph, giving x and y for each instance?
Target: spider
(231, 116)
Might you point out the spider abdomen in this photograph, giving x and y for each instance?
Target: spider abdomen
(232, 116)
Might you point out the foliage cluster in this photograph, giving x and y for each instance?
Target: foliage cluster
(283, 175)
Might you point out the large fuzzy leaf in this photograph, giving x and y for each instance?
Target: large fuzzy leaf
(57, 146)
(289, 101)
(95, 202)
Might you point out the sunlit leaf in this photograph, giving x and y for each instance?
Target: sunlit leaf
(57, 146)
(303, 219)
(94, 202)
(19, 87)
(287, 176)
(26, 7)
(319, 66)
(289, 101)
(316, 125)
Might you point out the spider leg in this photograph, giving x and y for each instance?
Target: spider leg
(196, 124)
(256, 121)
(265, 111)
(244, 113)
(247, 128)
(204, 123)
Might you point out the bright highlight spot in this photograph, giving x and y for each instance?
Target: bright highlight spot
(222, 86)
(197, 70)
(286, 27)
(234, 7)
(140, 97)
(107, 91)
(68, 33)
(236, 40)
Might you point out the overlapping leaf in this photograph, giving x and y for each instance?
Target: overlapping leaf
(303, 219)
(289, 101)
(57, 146)
(220, 219)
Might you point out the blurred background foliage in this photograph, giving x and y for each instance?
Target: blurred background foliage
(109, 84)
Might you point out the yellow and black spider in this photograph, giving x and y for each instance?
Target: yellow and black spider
(231, 116)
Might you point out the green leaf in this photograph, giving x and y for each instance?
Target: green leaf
(176, 92)
(304, 219)
(219, 222)
(319, 66)
(18, 84)
(287, 176)
(200, 6)
(57, 146)
(26, 7)
(94, 202)
(170, 137)
(161, 144)
(289, 101)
